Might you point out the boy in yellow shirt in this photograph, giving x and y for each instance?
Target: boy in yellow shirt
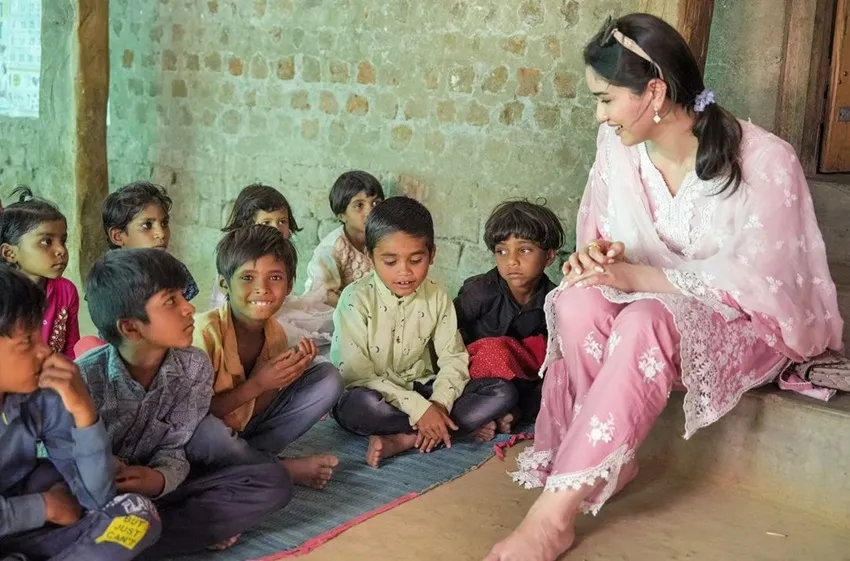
(266, 393)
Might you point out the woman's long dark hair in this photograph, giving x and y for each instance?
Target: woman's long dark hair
(717, 130)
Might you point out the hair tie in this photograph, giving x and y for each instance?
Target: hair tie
(704, 99)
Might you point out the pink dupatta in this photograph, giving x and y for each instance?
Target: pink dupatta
(756, 257)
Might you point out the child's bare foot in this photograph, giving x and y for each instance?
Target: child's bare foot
(383, 447)
(506, 423)
(486, 432)
(311, 471)
(226, 544)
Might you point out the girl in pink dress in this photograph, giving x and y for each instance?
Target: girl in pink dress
(699, 266)
(33, 234)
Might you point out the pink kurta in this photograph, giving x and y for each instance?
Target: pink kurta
(60, 327)
(755, 293)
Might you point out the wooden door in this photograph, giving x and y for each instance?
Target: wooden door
(835, 145)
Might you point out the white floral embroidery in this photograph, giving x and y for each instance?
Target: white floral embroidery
(743, 260)
(790, 198)
(780, 244)
(592, 347)
(576, 410)
(774, 285)
(770, 339)
(601, 431)
(827, 316)
(787, 324)
(801, 243)
(800, 279)
(810, 317)
(753, 223)
(613, 341)
(782, 177)
(649, 365)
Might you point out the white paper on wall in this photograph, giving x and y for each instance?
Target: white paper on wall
(20, 57)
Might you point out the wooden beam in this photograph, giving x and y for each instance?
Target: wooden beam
(804, 77)
(691, 17)
(91, 90)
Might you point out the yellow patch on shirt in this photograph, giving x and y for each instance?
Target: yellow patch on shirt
(126, 531)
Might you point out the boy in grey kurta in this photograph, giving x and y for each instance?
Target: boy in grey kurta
(386, 327)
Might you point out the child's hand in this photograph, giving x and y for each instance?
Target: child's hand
(139, 479)
(434, 427)
(308, 347)
(60, 506)
(282, 371)
(62, 376)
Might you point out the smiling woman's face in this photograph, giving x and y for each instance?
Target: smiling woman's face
(629, 114)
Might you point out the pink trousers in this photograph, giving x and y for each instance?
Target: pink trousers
(620, 363)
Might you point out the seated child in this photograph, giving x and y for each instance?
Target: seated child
(32, 239)
(43, 399)
(340, 258)
(500, 313)
(137, 216)
(152, 389)
(266, 392)
(299, 316)
(387, 324)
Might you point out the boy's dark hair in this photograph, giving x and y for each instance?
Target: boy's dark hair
(254, 198)
(120, 283)
(399, 214)
(348, 185)
(121, 206)
(526, 220)
(245, 245)
(25, 215)
(22, 304)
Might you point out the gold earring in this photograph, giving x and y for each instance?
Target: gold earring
(657, 118)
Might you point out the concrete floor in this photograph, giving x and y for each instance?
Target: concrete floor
(654, 520)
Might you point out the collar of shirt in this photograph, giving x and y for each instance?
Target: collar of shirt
(538, 297)
(391, 299)
(272, 332)
(117, 371)
(11, 408)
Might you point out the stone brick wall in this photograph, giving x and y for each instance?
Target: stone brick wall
(37, 152)
(459, 103)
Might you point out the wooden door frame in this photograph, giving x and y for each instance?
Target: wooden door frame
(804, 77)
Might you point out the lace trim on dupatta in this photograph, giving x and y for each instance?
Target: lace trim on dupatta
(690, 284)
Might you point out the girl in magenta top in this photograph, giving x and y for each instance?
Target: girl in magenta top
(33, 234)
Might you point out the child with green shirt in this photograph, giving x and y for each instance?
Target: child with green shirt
(387, 326)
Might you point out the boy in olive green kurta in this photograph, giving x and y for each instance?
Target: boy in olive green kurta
(387, 326)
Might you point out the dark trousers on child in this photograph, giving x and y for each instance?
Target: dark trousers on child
(120, 531)
(236, 480)
(365, 412)
(216, 504)
(292, 412)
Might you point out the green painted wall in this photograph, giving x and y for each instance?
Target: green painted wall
(461, 104)
(38, 152)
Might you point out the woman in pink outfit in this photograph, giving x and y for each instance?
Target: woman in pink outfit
(700, 266)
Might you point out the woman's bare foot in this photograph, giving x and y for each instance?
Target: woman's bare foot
(507, 422)
(547, 531)
(485, 433)
(383, 447)
(226, 544)
(311, 471)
